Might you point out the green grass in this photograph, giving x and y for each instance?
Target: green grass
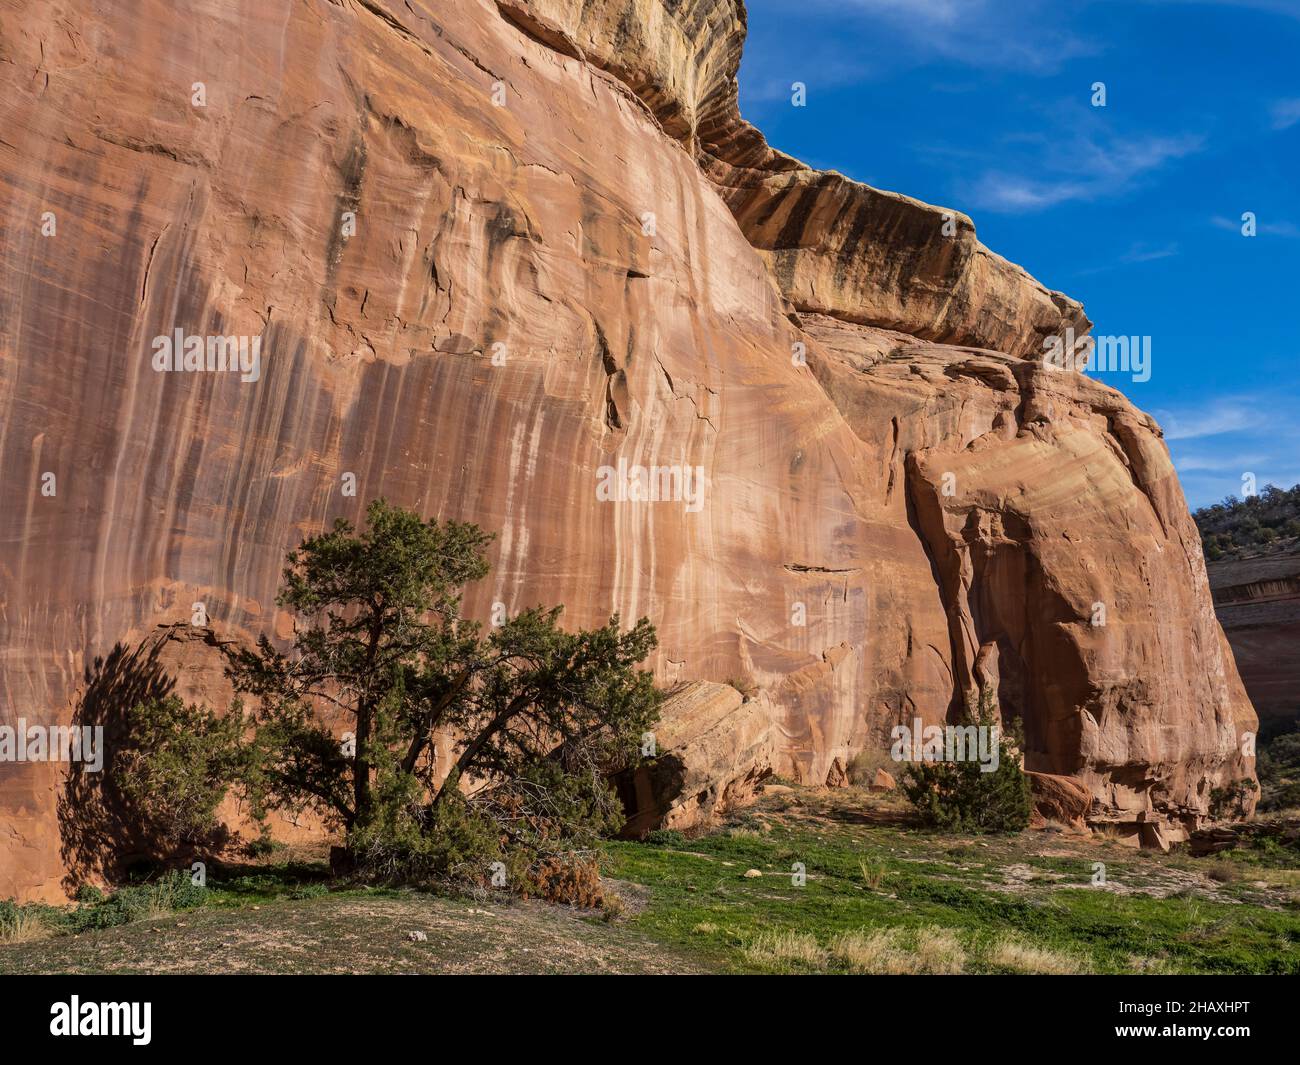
(701, 900)
(164, 894)
(881, 895)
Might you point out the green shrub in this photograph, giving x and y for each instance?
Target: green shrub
(1230, 800)
(959, 796)
(176, 766)
(174, 891)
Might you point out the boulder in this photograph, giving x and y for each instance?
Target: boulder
(1059, 799)
(714, 748)
(883, 781)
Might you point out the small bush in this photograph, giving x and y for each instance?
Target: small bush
(177, 766)
(873, 873)
(665, 837)
(410, 842)
(572, 879)
(959, 796)
(22, 924)
(1231, 801)
(1223, 871)
(862, 770)
(263, 846)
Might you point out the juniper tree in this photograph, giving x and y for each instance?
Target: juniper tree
(530, 717)
(959, 796)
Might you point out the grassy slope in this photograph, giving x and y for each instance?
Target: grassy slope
(1002, 904)
(1036, 887)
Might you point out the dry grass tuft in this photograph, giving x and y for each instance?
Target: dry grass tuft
(25, 927)
(873, 873)
(896, 952)
(1012, 952)
(779, 949)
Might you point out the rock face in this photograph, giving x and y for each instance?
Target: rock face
(1257, 601)
(495, 256)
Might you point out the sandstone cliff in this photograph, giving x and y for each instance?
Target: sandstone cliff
(1257, 601)
(490, 248)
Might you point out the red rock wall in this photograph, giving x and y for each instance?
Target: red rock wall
(1257, 601)
(522, 231)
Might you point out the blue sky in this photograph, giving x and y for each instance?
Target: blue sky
(1135, 208)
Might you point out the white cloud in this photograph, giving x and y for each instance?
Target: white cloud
(941, 11)
(861, 40)
(1280, 228)
(1141, 254)
(818, 72)
(1285, 113)
(1136, 254)
(1096, 166)
(1215, 443)
(1218, 463)
(1272, 7)
(1218, 416)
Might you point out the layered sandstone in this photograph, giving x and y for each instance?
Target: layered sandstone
(489, 249)
(1257, 601)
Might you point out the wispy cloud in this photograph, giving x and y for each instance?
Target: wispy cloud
(1141, 254)
(1037, 37)
(1271, 7)
(1212, 419)
(820, 69)
(1137, 253)
(1032, 35)
(1210, 463)
(1097, 165)
(1281, 228)
(1218, 442)
(1285, 113)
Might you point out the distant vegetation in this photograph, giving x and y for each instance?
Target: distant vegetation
(1266, 523)
(1279, 771)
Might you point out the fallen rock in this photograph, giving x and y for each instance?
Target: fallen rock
(883, 781)
(713, 750)
(1058, 799)
(838, 775)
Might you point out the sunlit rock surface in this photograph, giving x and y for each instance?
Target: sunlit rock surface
(488, 249)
